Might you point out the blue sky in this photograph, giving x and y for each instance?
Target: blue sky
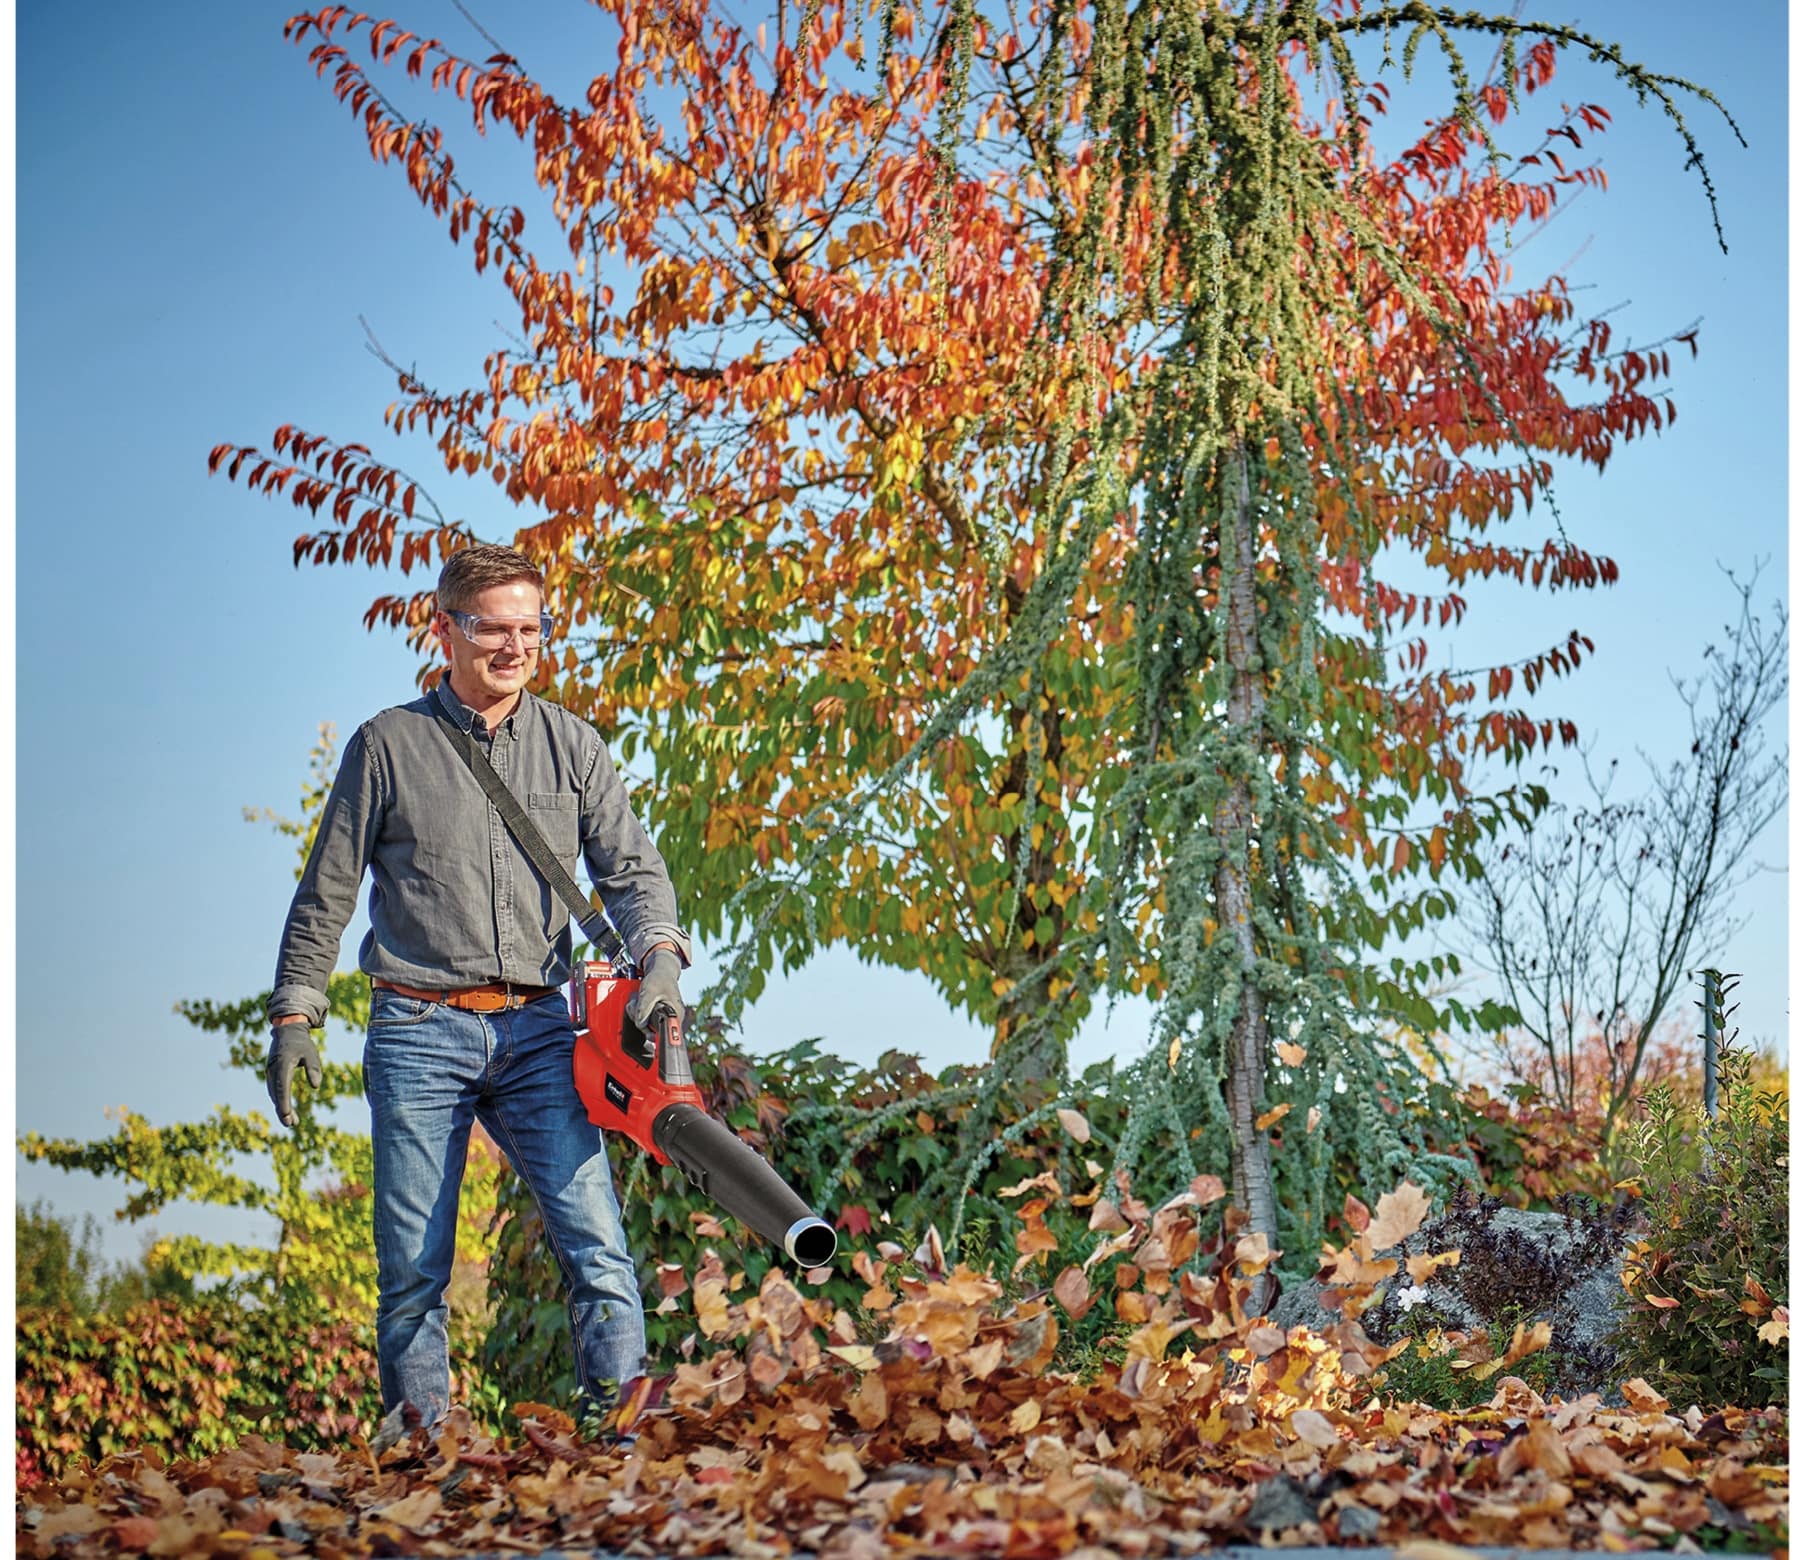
(200, 229)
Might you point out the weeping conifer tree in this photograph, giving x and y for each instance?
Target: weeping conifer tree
(1246, 246)
(1230, 286)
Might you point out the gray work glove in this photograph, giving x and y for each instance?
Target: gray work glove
(289, 1044)
(657, 988)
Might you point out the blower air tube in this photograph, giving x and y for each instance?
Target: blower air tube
(729, 1171)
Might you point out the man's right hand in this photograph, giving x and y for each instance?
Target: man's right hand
(657, 989)
(290, 1043)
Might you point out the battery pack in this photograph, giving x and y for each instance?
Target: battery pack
(623, 1077)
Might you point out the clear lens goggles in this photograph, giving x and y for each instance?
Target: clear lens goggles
(493, 633)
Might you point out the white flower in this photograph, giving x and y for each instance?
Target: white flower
(1414, 1295)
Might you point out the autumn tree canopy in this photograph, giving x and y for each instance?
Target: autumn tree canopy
(969, 449)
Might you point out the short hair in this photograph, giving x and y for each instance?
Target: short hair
(470, 571)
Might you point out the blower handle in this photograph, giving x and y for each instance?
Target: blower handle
(673, 1051)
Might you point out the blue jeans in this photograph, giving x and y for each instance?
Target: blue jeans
(429, 1071)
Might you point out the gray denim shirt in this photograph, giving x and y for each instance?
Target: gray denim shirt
(453, 900)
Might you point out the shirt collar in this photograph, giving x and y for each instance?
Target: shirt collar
(465, 717)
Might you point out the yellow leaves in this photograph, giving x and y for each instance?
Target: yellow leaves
(1400, 1215)
(1034, 1240)
(1775, 1329)
(870, 1404)
(1642, 1397)
(413, 1509)
(829, 1476)
(1267, 1118)
(1151, 1340)
(1253, 1254)
(1524, 1342)
(1348, 1269)
(1207, 1189)
(1265, 1341)
(709, 1295)
(1314, 1429)
(1107, 1217)
(1073, 1292)
(1760, 1302)
(1291, 1055)
(1420, 1267)
(946, 1314)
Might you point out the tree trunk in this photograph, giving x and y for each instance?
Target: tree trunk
(1251, 1158)
(1044, 1067)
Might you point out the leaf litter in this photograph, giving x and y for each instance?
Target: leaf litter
(934, 1422)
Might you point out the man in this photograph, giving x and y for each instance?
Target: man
(467, 948)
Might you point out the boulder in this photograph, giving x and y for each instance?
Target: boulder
(1563, 1268)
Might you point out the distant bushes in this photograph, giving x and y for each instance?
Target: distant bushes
(191, 1377)
(1708, 1282)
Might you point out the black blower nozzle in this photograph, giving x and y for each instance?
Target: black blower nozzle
(722, 1167)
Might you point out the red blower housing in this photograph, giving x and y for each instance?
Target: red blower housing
(643, 1086)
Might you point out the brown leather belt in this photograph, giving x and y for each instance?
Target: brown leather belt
(492, 998)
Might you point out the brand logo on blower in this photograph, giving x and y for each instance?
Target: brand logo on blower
(619, 1095)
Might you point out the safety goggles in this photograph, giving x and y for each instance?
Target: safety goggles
(493, 633)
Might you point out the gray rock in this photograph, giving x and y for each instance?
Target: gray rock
(1279, 1503)
(1584, 1308)
(1357, 1525)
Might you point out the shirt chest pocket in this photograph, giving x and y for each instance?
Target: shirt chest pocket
(555, 814)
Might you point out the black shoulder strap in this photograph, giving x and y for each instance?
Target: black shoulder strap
(606, 940)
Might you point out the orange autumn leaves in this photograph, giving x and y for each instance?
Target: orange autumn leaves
(938, 1421)
(785, 456)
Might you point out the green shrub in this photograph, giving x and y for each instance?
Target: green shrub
(1708, 1285)
(1426, 1372)
(859, 1144)
(191, 1378)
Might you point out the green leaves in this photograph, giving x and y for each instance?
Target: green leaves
(191, 1378)
(1712, 1270)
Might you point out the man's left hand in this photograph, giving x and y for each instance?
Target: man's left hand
(657, 989)
(290, 1046)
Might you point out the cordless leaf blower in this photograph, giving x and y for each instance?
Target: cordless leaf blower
(643, 1086)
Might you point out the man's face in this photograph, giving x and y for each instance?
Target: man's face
(482, 675)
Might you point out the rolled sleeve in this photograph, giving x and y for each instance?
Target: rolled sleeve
(625, 865)
(327, 894)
